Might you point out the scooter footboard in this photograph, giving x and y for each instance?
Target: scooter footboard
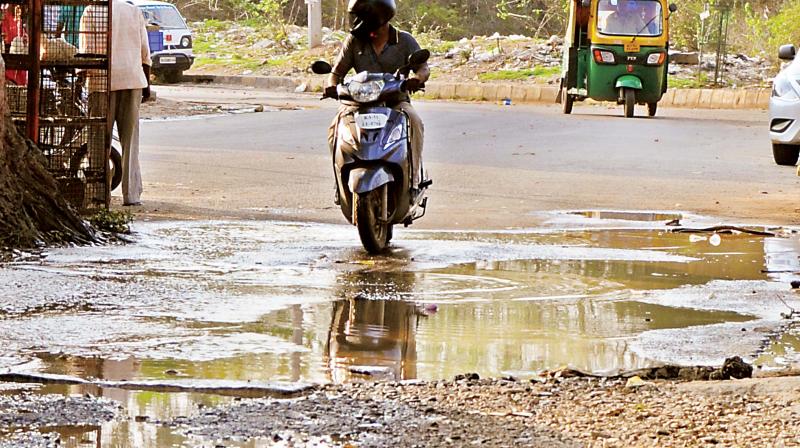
(363, 180)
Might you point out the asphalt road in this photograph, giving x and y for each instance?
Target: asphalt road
(493, 166)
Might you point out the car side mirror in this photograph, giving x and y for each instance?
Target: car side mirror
(673, 7)
(419, 57)
(787, 52)
(321, 68)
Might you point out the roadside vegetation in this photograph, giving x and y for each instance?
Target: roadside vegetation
(267, 37)
(756, 27)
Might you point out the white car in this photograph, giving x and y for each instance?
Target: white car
(784, 110)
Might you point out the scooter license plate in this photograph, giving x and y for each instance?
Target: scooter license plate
(371, 121)
(168, 60)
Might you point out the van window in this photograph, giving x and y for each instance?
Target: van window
(165, 16)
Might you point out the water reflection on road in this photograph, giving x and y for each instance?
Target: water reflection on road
(273, 301)
(302, 302)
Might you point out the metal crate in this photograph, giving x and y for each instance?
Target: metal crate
(57, 88)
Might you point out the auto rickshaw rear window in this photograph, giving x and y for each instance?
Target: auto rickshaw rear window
(629, 17)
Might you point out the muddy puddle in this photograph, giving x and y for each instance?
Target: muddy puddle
(274, 303)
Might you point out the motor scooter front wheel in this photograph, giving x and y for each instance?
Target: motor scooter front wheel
(375, 232)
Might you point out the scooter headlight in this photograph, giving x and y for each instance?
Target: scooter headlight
(395, 136)
(365, 92)
(782, 87)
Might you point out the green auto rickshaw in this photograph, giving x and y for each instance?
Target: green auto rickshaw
(616, 50)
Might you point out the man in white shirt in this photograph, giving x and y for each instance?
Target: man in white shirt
(129, 84)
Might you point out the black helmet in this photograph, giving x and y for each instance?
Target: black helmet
(367, 16)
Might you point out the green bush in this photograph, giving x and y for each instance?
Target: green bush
(432, 17)
(113, 221)
(767, 27)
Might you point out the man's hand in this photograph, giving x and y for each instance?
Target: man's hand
(412, 85)
(146, 95)
(331, 92)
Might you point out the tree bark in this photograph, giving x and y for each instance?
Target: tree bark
(32, 211)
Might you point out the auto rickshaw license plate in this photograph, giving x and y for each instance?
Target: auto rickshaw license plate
(632, 47)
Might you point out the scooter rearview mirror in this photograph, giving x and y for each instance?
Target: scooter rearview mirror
(419, 57)
(673, 7)
(321, 68)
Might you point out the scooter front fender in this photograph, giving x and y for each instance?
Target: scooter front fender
(629, 82)
(363, 180)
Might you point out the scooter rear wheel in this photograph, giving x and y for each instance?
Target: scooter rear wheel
(374, 232)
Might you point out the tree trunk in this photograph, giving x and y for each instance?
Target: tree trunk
(32, 211)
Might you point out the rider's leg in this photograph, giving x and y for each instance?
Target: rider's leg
(332, 146)
(417, 139)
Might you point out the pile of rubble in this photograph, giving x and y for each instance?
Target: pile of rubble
(738, 70)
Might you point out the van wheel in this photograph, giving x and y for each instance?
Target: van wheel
(786, 155)
(630, 102)
(651, 109)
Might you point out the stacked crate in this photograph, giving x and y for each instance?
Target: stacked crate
(57, 84)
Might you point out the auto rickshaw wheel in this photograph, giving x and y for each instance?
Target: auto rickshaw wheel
(566, 101)
(651, 109)
(630, 102)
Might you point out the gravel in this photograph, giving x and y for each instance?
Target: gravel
(557, 412)
(30, 410)
(30, 439)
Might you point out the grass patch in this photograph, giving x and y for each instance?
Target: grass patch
(507, 75)
(547, 72)
(214, 25)
(519, 75)
(697, 82)
(236, 61)
(113, 221)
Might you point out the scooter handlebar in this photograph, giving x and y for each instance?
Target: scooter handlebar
(412, 85)
(330, 92)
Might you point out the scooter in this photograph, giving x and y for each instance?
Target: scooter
(372, 155)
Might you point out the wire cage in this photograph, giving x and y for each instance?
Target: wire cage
(57, 84)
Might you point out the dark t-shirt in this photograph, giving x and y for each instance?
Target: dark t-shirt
(360, 56)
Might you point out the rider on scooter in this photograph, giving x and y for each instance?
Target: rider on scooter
(375, 46)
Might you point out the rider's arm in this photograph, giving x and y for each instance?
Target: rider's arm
(343, 63)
